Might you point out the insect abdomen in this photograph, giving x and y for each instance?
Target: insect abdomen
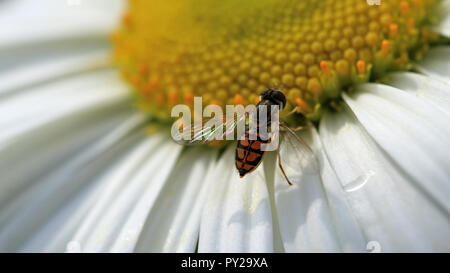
(249, 154)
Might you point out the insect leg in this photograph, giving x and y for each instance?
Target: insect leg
(290, 113)
(285, 127)
(299, 128)
(281, 167)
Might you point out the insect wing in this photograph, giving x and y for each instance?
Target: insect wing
(296, 157)
(205, 132)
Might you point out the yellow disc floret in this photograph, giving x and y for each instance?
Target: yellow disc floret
(227, 52)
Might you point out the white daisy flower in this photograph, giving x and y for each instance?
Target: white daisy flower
(82, 170)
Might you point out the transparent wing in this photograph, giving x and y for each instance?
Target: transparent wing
(296, 157)
(209, 130)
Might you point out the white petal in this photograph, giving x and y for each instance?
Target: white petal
(34, 205)
(111, 183)
(125, 202)
(47, 129)
(129, 234)
(349, 233)
(48, 147)
(431, 90)
(237, 214)
(436, 63)
(57, 236)
(269, 171)
(303, 213)
(411, 131)
(443, 13)
(392, 211)
(29, 21)
(28, 75)
(48, 103)
(173, 222)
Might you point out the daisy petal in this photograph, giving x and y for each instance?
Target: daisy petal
(97, 201)
(48, 103)
(58, 234)
(52, 146)
(270, 160)
(29, 22)
(28, 76)
(52, 127)
(436, 63)
(127, 239)
(411, 131)
(303, 213)
(433, 91)
(174, 221)
(443, 12)
(237, 214)
(394, 214)
(349, 233)
(34, 205)
(126, 208)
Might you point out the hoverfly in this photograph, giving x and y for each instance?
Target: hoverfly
(293, 153)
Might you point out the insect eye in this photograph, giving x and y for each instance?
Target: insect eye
(280, 98)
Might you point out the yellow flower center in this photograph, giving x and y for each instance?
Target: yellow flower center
(228, 52)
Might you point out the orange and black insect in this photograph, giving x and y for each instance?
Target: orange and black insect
(249, 153)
